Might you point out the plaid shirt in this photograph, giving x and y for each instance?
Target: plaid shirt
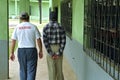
(53, 33)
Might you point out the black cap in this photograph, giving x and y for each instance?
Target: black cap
(24, 15)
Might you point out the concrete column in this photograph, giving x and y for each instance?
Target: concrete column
(4, 40)
(51, 4)
(24, 6)
(16, 5)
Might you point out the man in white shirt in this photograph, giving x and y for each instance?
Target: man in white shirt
(26, 34)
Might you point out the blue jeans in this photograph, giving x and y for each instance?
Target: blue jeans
(27, 58)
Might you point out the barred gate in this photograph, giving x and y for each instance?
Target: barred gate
(102, 34)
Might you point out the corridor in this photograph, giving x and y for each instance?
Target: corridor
(42, 72)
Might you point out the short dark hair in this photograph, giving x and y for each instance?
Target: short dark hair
(53, 16)
(24, 16)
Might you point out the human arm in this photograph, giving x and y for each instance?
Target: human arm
(12, 56)
(13, 43)
(62, 42)
(39, 42)
(46, 42)
(60, 52)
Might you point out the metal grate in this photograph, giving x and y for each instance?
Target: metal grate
(66, 16)
(102, 34)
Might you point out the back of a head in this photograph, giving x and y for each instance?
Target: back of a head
(24, 16)
(53, 16)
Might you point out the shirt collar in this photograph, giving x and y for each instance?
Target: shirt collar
(53, 23)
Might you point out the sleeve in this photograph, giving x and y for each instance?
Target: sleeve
(46, 43)
(62, 43)
(14, 34)
(37, 33)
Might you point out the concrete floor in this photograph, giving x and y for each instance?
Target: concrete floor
(42, 72)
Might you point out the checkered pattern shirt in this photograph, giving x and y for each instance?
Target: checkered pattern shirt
(53, 33)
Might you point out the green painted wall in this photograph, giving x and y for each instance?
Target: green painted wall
(12, 8)
(4, 64)
(56, 3)
(59, 10)
(24, 6)
(3, 20)
(34, 8)
(45, 11)
(84, 67)
(77, 20)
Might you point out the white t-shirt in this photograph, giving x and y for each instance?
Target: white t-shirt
(26, 34)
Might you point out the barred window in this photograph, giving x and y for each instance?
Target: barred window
(66, 16)
(102, 34)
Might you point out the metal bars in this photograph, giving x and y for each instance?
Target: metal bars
(66, 16)
(102, 34)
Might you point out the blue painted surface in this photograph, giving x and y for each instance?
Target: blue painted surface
(4, 60)
(84, 67)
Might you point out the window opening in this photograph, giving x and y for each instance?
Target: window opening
(66, 16)
(102, 34)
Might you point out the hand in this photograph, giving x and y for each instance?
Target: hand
(12, 56)
(55, 56)
(40, 55)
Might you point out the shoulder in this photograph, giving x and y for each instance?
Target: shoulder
(19, 25)
(61, 27)
(32, 24)
(46, 26)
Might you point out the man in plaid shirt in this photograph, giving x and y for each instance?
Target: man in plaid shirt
(54, 39)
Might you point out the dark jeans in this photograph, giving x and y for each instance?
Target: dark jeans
(27, 58)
